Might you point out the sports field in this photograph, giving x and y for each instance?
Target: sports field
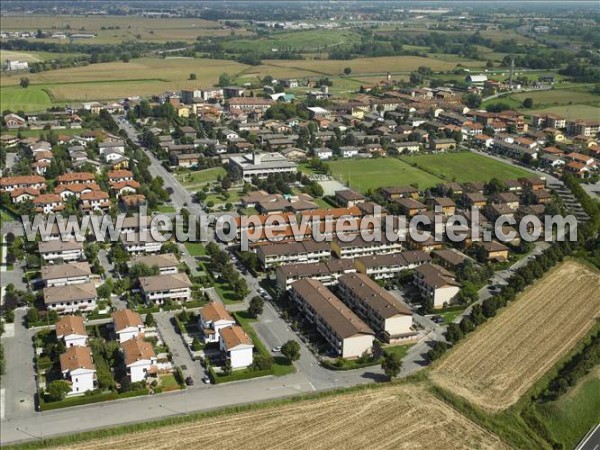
(394, 417)
(466, 166)
(364, 174)
(496, 365)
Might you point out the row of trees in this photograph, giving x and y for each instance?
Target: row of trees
(221, 263)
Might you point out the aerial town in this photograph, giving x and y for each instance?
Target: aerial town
(472, 308)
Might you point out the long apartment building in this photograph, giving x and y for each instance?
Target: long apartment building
(436, 284)
(380, 267)
(360, 247)
(327, 272)
(346, 333)
(304, 252)
(160, 288)
(387, 316)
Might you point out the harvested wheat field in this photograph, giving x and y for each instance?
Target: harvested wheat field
(399, 417)
(498, 363)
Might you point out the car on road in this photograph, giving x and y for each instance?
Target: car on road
(276, 349)
(206, 379)
(189, 381)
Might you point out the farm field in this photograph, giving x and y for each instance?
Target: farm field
(15, 98)
(362, 418)
(584, 112)
(574, 413)
(499, 362)
(466, 166)
(364, 174)
(123, 28)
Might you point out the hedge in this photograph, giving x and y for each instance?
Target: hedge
(238, 375)
(89, 399)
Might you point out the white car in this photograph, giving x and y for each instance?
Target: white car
(276, 349)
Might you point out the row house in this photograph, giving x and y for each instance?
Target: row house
(76, 189)
(347, 335)
(66, 274)
(9, 184)
(71, 299)
(391, 320)
(304, 252)
(76, 178)
(327, 272)
(160, 288)
(48, 203)
(60, 250)
(360, 247)
(140, 242)
(95, 201)
(166, 263)
(381, 267)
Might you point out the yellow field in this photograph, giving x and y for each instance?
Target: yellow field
(498, 363)
(398, 417)
(21, 56)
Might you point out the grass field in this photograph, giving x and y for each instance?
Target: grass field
(301, 41)
(15, 98)
(500, 361)
(361, 419)
(375, 173)
(574, 413)
(466, 166)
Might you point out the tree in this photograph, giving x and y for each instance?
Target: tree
(57, 390)
(453, 333)
(226, 183)
(149, 322)
(193, 76)
(24, 83)
(347, 71)
(255, 308)
(391, 365)
(32, 316)
(227, 369)
(291, 351)
(528, 103)
(472, 100)
(224, 80)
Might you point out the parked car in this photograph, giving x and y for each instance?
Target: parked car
(189, 381)
(276, 349)
(206, 379)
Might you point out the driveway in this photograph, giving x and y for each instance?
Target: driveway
(181, 356)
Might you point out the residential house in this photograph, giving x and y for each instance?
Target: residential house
(139, 358)
(78, 369)
(441, 145)
(397, 192)
(71, 330)
(95, 201)
(48, 203)
(9, 184)
(348, 198)
(410, 206)
(450, 258)
(212, 318)
(127, 324)
(444, 204)
(494, 251)
(237, 346)
(140, 242)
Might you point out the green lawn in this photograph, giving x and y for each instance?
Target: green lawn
(218, 199)
(16, 98)
(570, 417)
(166, 209)
(466, 166)
(449, 316)
(367, 174)
(400, 350)
(195, 248)
(195, 180)
(583, 112)
(168, 382)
